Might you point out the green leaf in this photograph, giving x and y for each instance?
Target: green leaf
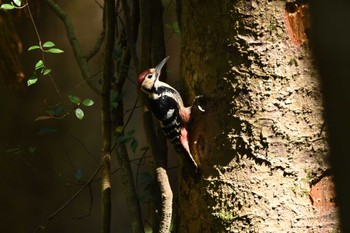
(88, 102)
(124, 139)
(119, 129)
(79, 174)
(32, 149)
(7, 6)
(133, 145)
(46, 71)
(74, 99)
(33, 47)
(39, 65)
(18, 2)
(176, 28)
(79, 113)
(55, 50)
(56, 111)
(48, 44)
(32, 81)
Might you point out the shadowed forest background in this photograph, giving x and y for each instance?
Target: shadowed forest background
(36, 184)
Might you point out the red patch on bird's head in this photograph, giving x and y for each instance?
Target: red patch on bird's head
(142, 77)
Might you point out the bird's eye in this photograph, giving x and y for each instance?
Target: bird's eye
(150, 76)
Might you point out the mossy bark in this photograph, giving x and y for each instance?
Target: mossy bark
(260, 143)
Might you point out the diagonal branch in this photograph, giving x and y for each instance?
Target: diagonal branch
(82, 61)
(60, 209)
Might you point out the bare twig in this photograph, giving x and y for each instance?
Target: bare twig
(90, 205)
(84, 147)
(97, 47)
(60, 209)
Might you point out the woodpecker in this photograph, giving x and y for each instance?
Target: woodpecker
(167, 106)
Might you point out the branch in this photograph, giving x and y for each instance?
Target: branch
(97, 47)
(153, 51)
(108, 72)
(161, 174)
(81, 60)
(131, 29)
(121, 151)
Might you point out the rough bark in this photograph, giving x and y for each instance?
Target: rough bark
(260, 143)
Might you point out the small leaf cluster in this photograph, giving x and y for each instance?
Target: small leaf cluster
(15, 4)
(78, 102)
(40, 67)
(47, 47)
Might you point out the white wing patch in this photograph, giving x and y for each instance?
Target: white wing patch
(169, 114)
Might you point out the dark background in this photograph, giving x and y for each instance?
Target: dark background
(34, 185)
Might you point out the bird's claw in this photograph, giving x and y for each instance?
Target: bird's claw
(197, 101)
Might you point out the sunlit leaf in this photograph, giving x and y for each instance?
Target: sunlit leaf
(48, 44)
(33, 47)
(119, 129)
(39, 65)
(46, 71)
(55, 50)
(88, 102)
(32, 81)
(79, 113)
(42, 118)
(7, 6)
(18, 2)
(74, 99)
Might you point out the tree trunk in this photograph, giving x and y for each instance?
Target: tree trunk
(260, 143)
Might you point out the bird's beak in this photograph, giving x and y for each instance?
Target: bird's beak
(159, 67)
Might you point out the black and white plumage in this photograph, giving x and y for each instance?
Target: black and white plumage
(167, 106)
